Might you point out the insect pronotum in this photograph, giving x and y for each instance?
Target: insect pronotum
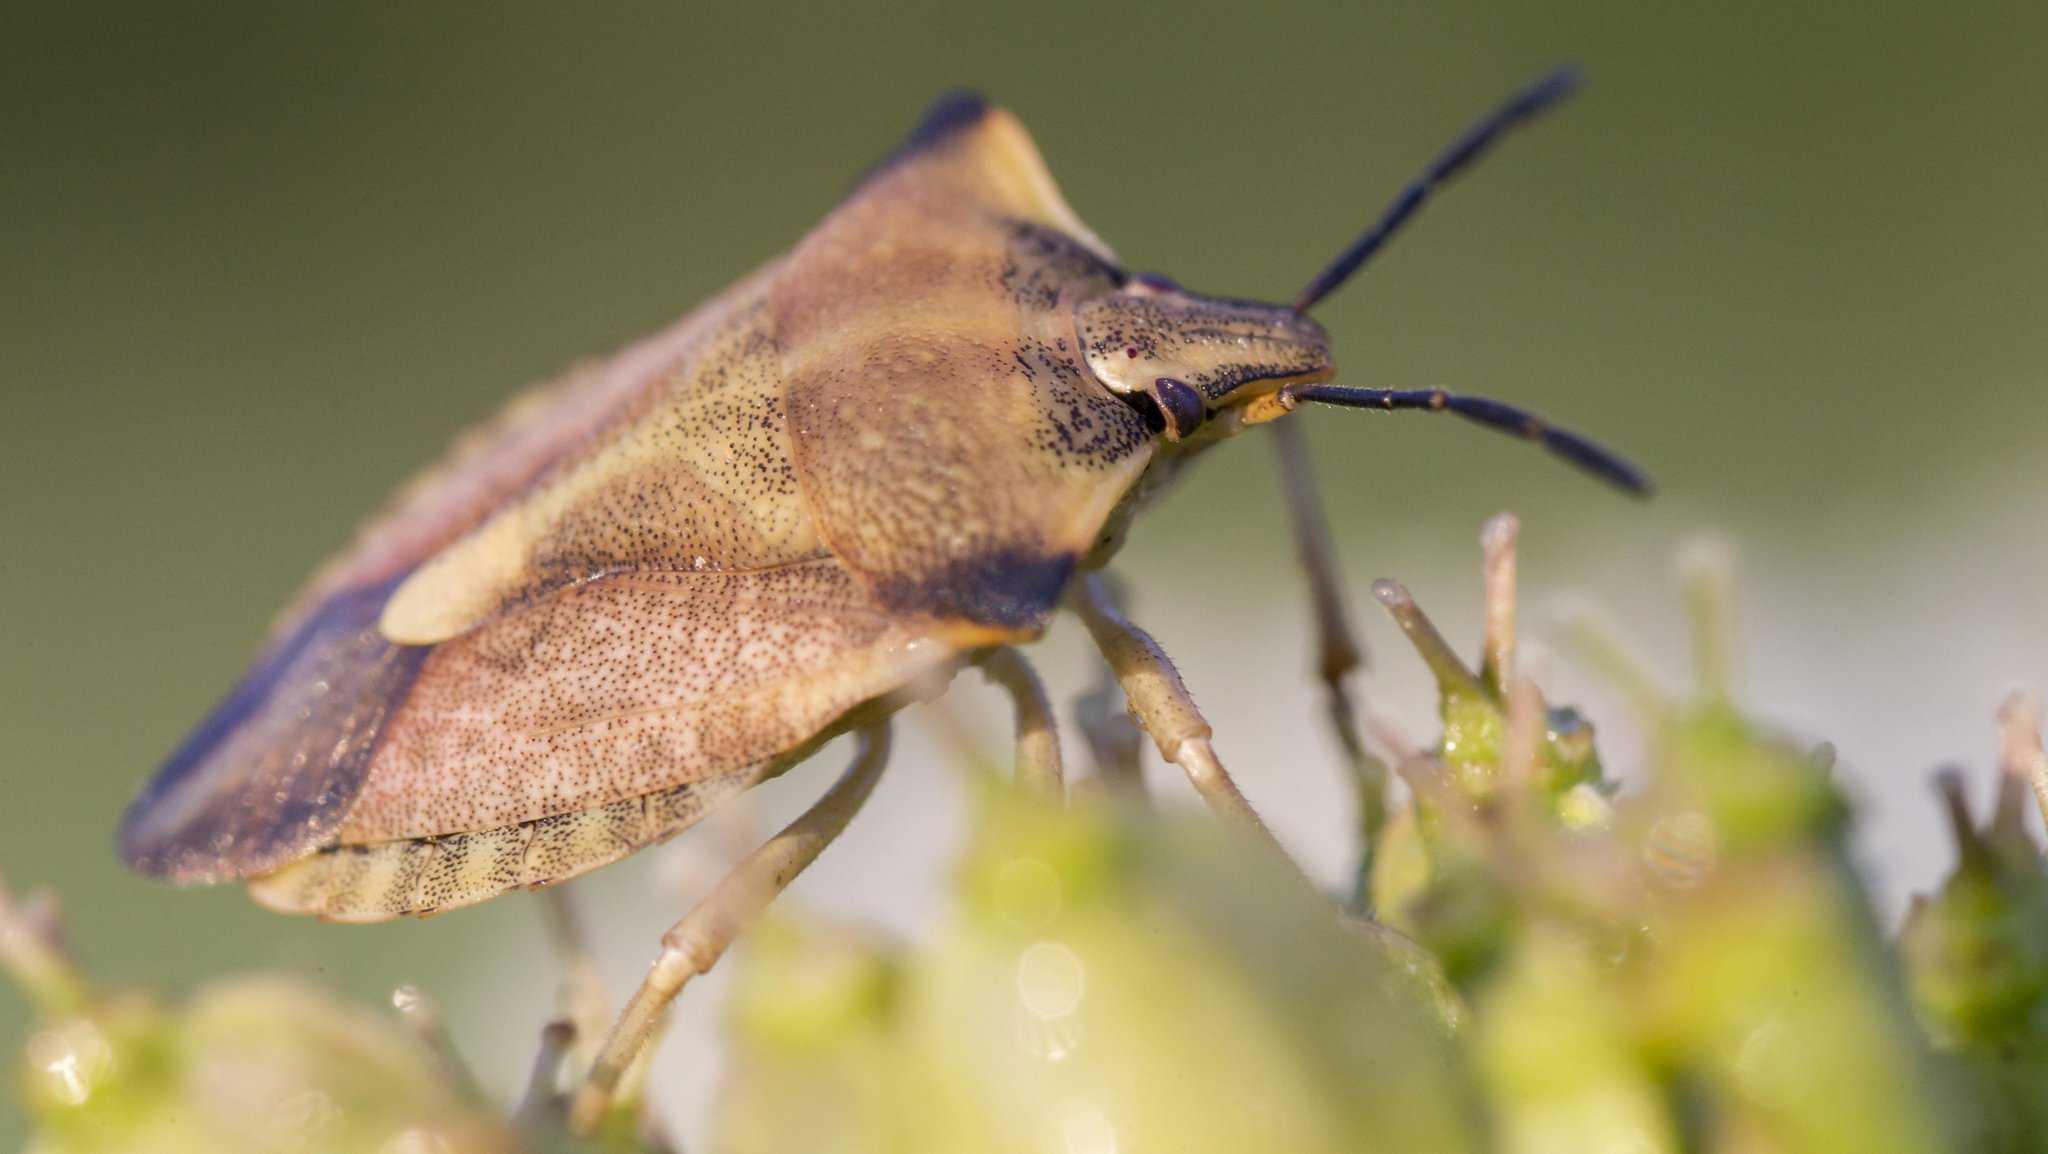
(676, 572)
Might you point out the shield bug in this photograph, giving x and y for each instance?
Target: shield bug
(635, 592)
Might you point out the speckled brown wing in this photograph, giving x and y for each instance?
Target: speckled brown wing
(576, 728)
(649, 586)
(649, 619)
(271, 774)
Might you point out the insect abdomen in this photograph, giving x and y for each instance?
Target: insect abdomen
(367, 883)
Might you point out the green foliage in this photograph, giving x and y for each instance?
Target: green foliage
(249, 1065)
(1108, 974)
(1554, 964)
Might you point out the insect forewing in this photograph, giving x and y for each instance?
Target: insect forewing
(647, 586)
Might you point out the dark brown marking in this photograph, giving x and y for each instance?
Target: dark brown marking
(269, 775)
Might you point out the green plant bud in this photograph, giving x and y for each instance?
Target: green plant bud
(1117, 981)
(1400, 869)
(254, 1065)
(1561, 1056)
(1570, 759)
(817, 1061)
(1753, 791)
(1977, 950)
(1773, 992)
(1467, 915)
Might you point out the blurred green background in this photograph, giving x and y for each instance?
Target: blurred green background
(258, 262)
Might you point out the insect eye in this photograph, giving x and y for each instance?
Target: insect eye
(1182, 406)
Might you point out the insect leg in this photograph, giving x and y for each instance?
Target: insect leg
(693, 945)
(1339, 653)
(582, 1000)
(1039, 766)
(555, 1040)
(1114, 742)
(1163, 707)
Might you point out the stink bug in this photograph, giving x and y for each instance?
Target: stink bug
(676, 572)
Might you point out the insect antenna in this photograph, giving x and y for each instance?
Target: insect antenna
(1518, 109)
(1582, 451)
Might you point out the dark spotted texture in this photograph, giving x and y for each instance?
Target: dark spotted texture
(945, 423)
(625, 685)
(368, 882)
(641, 589)
(697, 477)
